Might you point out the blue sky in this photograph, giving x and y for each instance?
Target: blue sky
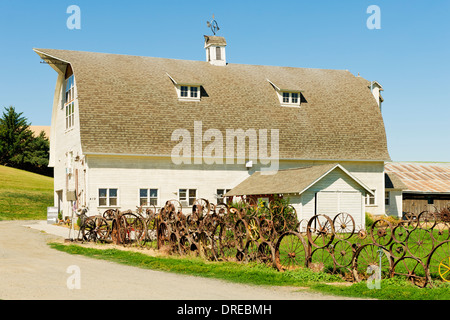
(409, 55)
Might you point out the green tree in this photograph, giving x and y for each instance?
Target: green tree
(19, 148)
(15, 135)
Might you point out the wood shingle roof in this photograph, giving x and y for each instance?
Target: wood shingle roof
(129, 105)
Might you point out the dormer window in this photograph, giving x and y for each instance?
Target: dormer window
(289, 97)
(189, 93)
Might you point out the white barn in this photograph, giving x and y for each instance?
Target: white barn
(118, 120)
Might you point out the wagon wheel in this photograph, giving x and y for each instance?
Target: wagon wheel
(367, 262)
(279, 223)
(381, 232)
(291, 251)
(397, 250)
(222, 209)
(320, 231)
(140, 230)
(426, 220)
(192, 223)
(400, 233)
(184, 245)
(419, 243)
(109, 214)
(321, 259)
(344, 226)
(173, 243)
(343, 252)
(200, 208)
(96, 229)
(441, 231)
(438, 262)
(290, 216)
(163, 235)
(227, 242)
(251, 250)
(266, 229)
(206, 247)
(133, 227)
(241, 233)
(412, 269)
(253, 228)
(118, 233)
(266, 254)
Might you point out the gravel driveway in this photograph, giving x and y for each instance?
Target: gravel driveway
(30, 269)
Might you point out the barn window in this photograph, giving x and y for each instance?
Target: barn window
(387, 198)
(370, 199)
(187, 196)
(148, 197)
(218, 53)
(107, 197)
(290, 98)
(190, 93)
(220, 195)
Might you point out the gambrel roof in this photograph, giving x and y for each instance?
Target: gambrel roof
(129, 105)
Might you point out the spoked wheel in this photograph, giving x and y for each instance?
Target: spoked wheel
(227, 242)
(381, 232)
(321, 259)
(251, 250)
(253, 228)
(266, 229)
(187, 246)
(266, 254)
(411, 269)
(173, 244)
(200, 208)
(344, 225)
(343, 252)
(206, 246)
(241, 234)
(438, 263)
(163, 235)
(291, 251)
(95, 229)
(119, 233)
(370, 259)
(419, 242)
(320, 231)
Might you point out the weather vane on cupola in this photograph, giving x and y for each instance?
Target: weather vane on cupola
(213, 25)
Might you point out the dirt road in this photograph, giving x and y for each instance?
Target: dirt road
(31, 270)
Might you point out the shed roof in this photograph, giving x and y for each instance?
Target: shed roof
(287, 181)
(128, 105)
(421, 177)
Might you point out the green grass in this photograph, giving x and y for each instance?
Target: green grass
(24, 195)
(257, 274)
(251, 273)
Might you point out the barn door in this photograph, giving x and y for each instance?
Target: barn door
(332, 203)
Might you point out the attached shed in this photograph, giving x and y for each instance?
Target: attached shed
(426, 185)
(324, 189)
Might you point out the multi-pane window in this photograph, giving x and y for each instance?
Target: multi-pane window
(190, 92)
(370, 199)
(107, 197)
(69, 104)
(387, 198)
(187, 196)
(148, 197)
(70, 115)
(70, 89)
(292, 98)
(220, 195)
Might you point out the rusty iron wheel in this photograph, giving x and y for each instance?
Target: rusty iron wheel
(266, 254)
(291, 251)
(320, 231)
(412, 269)
(381, 232)
(367, 261)
(343, 252)
(344, 226)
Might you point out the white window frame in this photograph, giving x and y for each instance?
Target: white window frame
(220, 198)
(369, 198)
(191, 89)
(69, 102)
(387, 198)
(289, 103)
(149, 197)
(187, 198)
(108, 198)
